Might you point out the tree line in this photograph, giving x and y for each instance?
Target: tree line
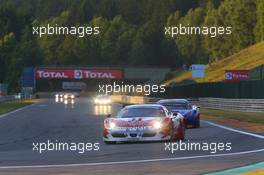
(132, 32)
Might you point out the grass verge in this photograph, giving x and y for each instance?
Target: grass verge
(248, 58)
(13, 105)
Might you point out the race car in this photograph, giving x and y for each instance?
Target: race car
(102, 100)
(67, 95)
(71, 95)
(144, 122)
(190, 112)
(59, 95)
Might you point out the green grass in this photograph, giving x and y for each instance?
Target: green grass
(241, 116)
(13, 105)
(248, 59)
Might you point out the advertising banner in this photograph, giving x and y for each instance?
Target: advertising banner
(236, 75)
(54, 73)
(27, 78)
(198, 70)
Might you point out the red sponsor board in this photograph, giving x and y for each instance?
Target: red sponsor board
(236, 75)
(53, 73)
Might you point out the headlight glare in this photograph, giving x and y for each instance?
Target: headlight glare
(157, 125)
(112, 125)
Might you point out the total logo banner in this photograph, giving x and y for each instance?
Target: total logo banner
(236, 75)
(45, 73)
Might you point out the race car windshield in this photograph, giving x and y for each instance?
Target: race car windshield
(171, 106)
(141, 112)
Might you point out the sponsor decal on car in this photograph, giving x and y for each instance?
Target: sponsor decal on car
(134, 123)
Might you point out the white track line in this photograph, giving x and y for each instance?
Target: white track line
(12, 112)
(235, 130)
(132, 161)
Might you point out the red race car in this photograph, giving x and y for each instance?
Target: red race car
(146, 122)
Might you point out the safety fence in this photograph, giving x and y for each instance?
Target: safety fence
(244, 105)
(16, 97)
(232, 90)
(8, 98)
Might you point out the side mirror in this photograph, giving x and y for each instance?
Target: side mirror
(195, 107)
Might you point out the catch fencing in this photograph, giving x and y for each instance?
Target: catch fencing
(232, 90)
(242, 105)
(8, 98)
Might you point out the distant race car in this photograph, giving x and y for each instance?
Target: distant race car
(145, 122)
(59, 95)
(69, 96)
(102, 100)
(190, 112)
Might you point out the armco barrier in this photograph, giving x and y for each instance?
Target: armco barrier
(243, 105)
(8, 98)
(234, 90)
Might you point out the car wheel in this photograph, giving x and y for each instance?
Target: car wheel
(182, 137)
(197, 123)
(172, 133)
(180, 133)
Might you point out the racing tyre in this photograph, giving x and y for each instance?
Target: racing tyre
(172, 134)
(197, 122)
(181, 136)
(183, 133)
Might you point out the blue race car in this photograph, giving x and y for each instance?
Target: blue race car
(190, 112)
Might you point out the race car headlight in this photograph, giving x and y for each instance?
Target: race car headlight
(57, 96)
(157, 125)
(112, 125)
(72, 96)
(65, 96)
(106, 101)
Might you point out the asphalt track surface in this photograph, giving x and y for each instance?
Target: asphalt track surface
(82, 122)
